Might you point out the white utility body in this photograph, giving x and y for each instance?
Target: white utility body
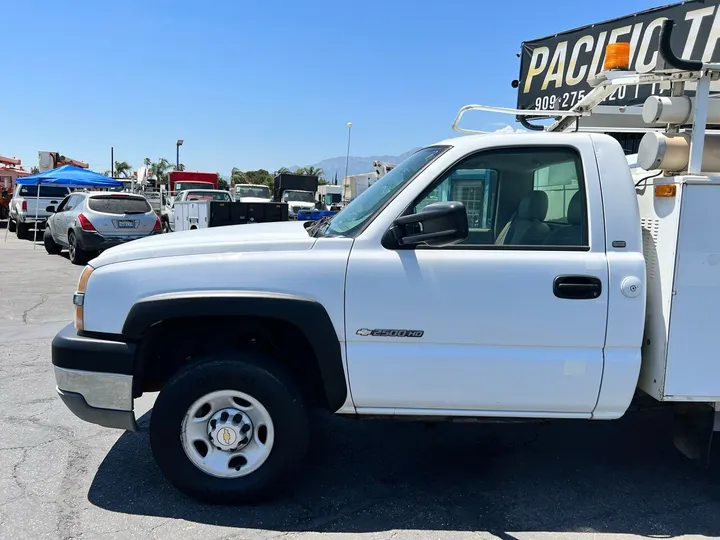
(190, 209)
(521, 275)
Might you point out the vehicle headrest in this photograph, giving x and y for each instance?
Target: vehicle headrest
(575, 210)
(534, 205)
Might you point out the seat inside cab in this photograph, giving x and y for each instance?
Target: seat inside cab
(518, 197)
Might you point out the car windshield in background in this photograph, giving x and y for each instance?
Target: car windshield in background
(208, 196)
(114, 204)
(181, 186)
(45, 191)
(298, 196)
(259, 192)
(353, 217)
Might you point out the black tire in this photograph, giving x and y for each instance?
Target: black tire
(50, 246)
(11, 225)
(165, 226)
(77, 255)
(22, 230)
(269, 385)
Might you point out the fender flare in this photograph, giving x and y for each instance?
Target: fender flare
(307, 315)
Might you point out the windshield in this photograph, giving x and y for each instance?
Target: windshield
(331, 198)
(208, 196)
(182, 186)
(260, 192)
(45, 191)
(353, 217)
(298, 196)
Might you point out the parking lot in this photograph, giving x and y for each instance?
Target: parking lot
(62, 478)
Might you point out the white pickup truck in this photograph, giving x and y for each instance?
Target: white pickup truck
(507, 276)
(170, 210)
(28, 210)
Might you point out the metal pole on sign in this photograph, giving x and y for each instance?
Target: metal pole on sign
(8, 220)
(112, 162)
(37, 208)
(7, 226)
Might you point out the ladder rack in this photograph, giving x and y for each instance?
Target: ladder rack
(670, 72)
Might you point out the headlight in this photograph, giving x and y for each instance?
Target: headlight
(79, 297)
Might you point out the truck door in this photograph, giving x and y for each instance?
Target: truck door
(510, 321)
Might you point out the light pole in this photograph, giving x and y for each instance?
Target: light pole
(177, 154)
(347, 157)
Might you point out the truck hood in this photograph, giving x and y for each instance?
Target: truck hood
(304, 204)
(278, 236)
(253, 199)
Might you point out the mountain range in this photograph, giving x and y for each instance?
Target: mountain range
(356, 165)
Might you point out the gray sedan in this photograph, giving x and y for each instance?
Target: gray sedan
(86, 223)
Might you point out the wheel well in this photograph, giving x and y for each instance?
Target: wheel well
(172, 344)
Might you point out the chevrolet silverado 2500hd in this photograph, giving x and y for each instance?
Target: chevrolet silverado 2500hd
(521, 275)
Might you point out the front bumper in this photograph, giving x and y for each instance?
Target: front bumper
(94, 241)
(94, 378)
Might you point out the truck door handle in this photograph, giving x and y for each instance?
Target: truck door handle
(577, 287)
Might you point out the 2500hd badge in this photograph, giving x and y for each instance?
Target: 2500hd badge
(390, 333)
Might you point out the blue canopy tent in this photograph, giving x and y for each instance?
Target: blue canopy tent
(68, 176)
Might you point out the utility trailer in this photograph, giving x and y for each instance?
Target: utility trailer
(191, 215)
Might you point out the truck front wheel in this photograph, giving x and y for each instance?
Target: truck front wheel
(229, 430)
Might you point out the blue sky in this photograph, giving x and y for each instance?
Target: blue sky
(261, 84)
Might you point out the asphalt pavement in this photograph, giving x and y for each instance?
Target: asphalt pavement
(63, 478)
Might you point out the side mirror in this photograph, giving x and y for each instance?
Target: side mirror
(50, 209)
(438, 224)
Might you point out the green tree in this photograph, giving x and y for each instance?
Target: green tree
(261, 176)
(238, 177)
(123, 168)
(34, 170)
(222, 183)
(181, 167)
(311, 171)
(160, 169)
(283, 170)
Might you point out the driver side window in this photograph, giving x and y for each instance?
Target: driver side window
(517, 197)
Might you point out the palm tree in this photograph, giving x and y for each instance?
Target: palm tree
(147, 162)
(283, 170)
(123, 168)
(311, 171)
(160, 170)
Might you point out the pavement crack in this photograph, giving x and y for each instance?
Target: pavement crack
(43, 299)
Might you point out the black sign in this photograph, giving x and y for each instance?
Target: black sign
(554, 70)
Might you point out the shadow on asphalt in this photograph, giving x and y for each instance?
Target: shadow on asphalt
(621, 477)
